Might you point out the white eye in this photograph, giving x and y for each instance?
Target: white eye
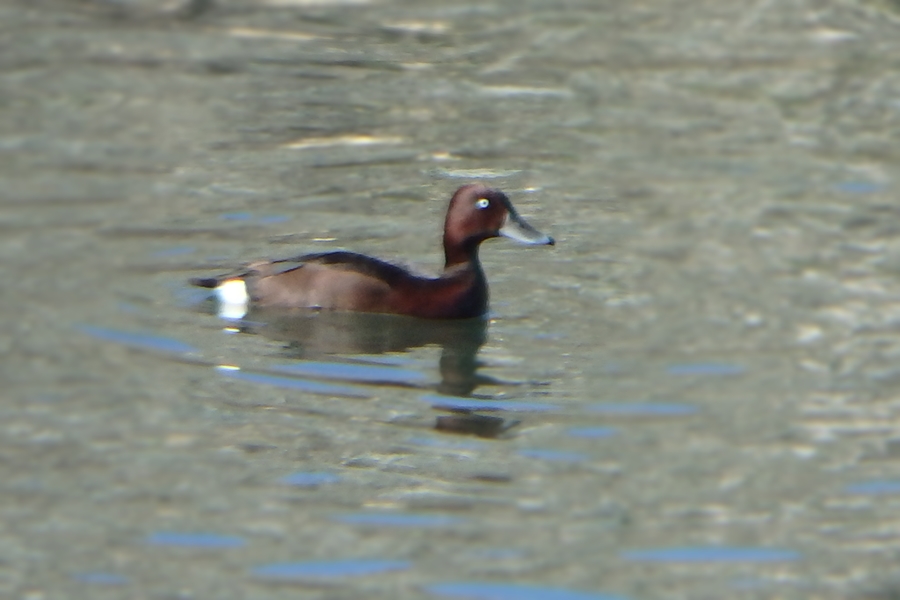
(482, 203)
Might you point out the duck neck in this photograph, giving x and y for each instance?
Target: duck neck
(463, 288)
(456, 253)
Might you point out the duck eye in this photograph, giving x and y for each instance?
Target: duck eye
(482, 203)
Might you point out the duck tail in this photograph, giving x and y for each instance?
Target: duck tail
(205, 282)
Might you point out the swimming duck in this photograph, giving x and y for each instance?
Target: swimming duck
(347, 281)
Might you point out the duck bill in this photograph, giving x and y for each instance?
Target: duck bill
(516, 228)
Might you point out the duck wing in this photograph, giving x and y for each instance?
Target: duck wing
(349, 261)
(342, 260)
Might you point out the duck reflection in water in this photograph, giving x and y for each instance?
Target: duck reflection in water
(317, 335)
(312, 335)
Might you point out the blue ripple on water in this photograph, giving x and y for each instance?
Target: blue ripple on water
(246, 216)
(194, 540)
(876, 487)
(328, 569)
(434, 442)
(236, 216)
(302, 385)
(174, 251)
(643, 409)
(553, 455)
(273, 219)
(591, 432)
(459, 403)
(100, 578)
(143, 341)
(353, 372)
(859, 187)
(711, 554)
(399, 520)
(705, 368)
(484, 590)
(310, 478)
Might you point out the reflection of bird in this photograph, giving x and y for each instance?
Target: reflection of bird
(316, 340)
(314, 335)
(347, 281)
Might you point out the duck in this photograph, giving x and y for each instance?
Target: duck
(347, 281)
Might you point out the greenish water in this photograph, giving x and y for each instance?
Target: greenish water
(693, 395)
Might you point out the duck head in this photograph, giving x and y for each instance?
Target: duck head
(477, 213)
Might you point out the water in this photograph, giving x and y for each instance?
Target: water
(326, 571)
(704, 366)
(492, 591)
(194, 540)
(309, 479)
(711, 554)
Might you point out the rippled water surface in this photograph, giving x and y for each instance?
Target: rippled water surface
(693, 395)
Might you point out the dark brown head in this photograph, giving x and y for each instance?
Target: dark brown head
(477, 213)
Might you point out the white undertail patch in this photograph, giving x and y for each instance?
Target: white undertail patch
(233, 299)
